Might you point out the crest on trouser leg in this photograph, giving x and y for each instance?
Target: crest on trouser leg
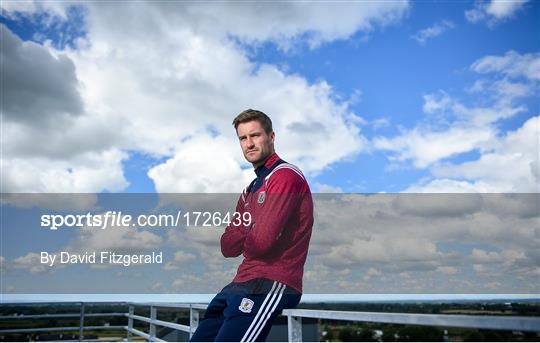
(246, 305)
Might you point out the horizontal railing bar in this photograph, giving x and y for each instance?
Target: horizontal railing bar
(37, 316)
(138, 333)
(141, 318)
(175, 326)
(173, 305)
(512, 323)
(102, 327)
(199, 306)
(89, 303)
(161, 323)
(62, 315)
(66, 328)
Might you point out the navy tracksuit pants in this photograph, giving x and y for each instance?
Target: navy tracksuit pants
(244, 312)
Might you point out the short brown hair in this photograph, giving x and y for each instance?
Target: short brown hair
(249, 115)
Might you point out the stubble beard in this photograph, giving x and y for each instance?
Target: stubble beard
(260, 159)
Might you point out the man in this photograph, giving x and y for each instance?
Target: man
(274, 244)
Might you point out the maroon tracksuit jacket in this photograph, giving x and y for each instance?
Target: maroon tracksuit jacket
(275, 244)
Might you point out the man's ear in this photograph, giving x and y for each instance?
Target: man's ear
(273, 136)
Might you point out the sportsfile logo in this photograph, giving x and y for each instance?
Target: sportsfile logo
(119, 220)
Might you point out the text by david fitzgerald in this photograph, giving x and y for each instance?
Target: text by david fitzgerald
(102, 257)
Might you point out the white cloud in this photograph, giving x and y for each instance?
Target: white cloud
(442, 185)
(2, 265)
(114, 238)
(505, 259)
(376, 253)
(323, 188)
(86, 173)
(511, 64)
(380, 123)
(494, 11)
(490, 172)
(518, 149)
(433, 31)
(452, 128)
(438, 102)
(180, 258)
(435, 205)
(30, 262)
(42, 88)
(160, 90)
(285, 24)
(426, 147)
(481, 269)
(382, 239)
(502, 8)
(48, 145)
(15, 9)
(447, 270)
(203, 164)
(383, 249)
(373, 272)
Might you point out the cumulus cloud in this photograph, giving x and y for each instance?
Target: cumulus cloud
(48, 143)
(323, 188)
(202, 164)
(494, 11)
(92, 172)
(180, 258)
(380, 240)
(452, 127)
(426, 147)
(114, 238)
(435, 205)
(447, 270)
(511, 64)
(315, 23)
(391, 243)
(517, 148)
(2, 265)
(159, 92)
(437, 29)
(41, 88)
(30, 262)
(16, 8)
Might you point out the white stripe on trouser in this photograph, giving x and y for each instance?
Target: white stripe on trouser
(264, 318)
(267, 303)
(259, 312)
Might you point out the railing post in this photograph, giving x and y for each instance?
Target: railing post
(193, 320)
(153, 317)
(81, 323)
(130, 322)
(294, 328)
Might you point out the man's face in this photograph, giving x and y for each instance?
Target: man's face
(256, 144)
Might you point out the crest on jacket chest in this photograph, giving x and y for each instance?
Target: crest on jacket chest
(261, 197)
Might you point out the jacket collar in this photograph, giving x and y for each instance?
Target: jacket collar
(267, 166)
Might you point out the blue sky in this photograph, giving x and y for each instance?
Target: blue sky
(380, 73)
(392, 65)
(366, 97)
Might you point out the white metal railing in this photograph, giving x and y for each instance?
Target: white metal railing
(294, 320)
(512, 323)
(153, 321)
